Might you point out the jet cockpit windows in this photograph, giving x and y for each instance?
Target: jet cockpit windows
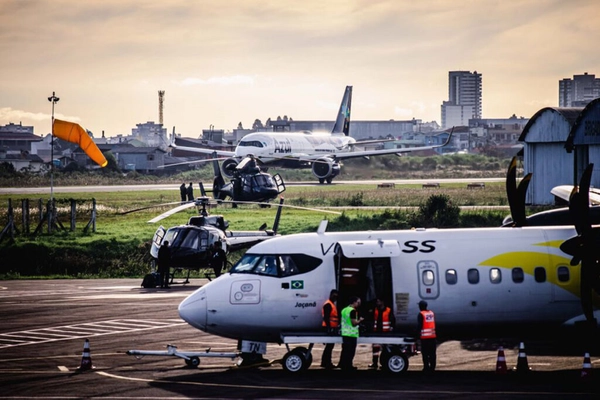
(250, 143)
(276, 265)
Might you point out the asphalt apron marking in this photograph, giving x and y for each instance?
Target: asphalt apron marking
(341, 389)
(86, 330)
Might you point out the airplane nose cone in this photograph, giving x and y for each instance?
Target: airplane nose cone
(193, 309)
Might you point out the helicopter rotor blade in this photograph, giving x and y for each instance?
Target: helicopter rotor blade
(282, 205)
(172, 211)
(148, 207)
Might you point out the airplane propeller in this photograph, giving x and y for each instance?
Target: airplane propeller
(584, 247)
(516, 194)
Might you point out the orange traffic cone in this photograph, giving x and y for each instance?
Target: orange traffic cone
(501, 362)
(86, 358)
(522, 364)
(586, 371)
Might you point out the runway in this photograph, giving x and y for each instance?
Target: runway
(45, 324)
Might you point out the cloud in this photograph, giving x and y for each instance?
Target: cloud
(218, 81)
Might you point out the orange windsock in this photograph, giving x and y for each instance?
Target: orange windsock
(74, 133)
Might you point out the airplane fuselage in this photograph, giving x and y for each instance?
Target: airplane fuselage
(513, 280)
(272, 147)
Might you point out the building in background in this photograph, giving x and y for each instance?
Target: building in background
(579, 91)
(464, 99)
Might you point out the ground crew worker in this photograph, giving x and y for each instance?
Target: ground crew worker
(190, 192)
(383, 322)
(218, 258)
(426, 321)
(164, 264)
(330, 326)
(182, 192)
(350, 322)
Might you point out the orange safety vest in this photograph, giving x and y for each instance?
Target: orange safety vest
(428, 328)
(386, 324)
(334, 320)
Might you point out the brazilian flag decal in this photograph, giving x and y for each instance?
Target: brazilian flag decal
(297, 284)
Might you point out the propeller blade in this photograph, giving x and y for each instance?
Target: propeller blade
(516, 195)
(583, 247)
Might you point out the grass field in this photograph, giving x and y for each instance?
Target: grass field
(120, 245)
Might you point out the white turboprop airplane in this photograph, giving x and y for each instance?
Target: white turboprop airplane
(320, 151)
(513, 281)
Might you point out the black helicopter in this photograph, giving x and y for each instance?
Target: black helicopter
(248, 182)
(190, 243)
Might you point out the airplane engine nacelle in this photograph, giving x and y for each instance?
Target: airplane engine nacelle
(229, 166)
(325, 168)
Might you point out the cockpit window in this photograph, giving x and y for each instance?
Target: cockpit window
(250, 143)
(276, 265)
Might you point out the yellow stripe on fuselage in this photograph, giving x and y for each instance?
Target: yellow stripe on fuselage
(529, 260)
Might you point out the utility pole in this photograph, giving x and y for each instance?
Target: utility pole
(52, 99)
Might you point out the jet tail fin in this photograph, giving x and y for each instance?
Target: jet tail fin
(342, 122)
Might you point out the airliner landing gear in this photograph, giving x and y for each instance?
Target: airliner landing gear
(297, 360)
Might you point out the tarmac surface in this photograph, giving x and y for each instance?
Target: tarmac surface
(44, 325)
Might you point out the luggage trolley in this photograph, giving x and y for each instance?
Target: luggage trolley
(395, 349)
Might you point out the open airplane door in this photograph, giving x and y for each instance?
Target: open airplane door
(363, 268)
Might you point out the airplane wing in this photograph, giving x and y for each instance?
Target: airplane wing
(366, 153)
(564, 192)
(220, 153)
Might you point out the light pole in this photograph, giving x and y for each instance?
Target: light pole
(52, 99)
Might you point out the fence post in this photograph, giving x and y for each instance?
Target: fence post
(73, 214)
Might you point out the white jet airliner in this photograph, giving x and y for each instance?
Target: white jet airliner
(322, 152)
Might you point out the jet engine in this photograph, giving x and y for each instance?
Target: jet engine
(229, 166)
(325, 169)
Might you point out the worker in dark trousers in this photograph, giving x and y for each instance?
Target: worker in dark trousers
(330, 326)
(183, 193)
(218, 258)
(190, 192)
(383, 322)
(164, 264)
(350, 331)
(426, 323)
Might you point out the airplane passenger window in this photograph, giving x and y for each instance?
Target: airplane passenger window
(495, 275)
(473, 276)
(517, 275)
(451, 277)
(563, 273)
(539, 274)
(428, 278)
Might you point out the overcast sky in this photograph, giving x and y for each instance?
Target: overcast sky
(228, 61)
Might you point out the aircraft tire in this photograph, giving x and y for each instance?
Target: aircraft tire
(394, 362)
(321, 180)
(297, 360)
(193, 362)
